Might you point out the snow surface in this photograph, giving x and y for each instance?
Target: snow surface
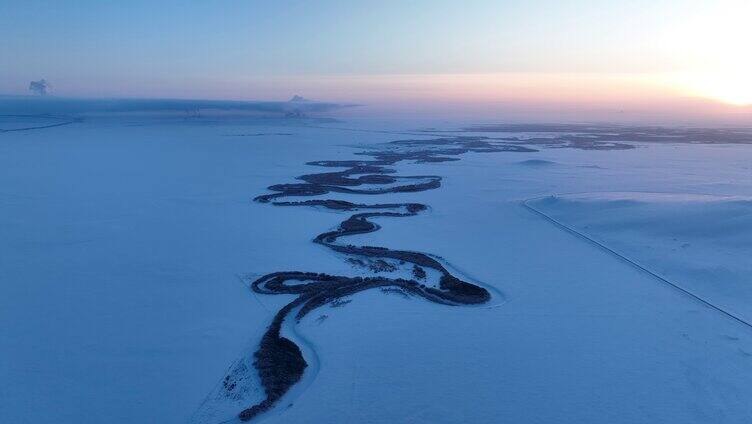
(126, 247)
(703, 243)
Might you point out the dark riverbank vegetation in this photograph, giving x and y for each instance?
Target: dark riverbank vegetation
(279, 361)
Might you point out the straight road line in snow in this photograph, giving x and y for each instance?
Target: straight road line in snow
(66, 121)
(582, 236)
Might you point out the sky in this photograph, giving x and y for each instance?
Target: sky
(652, 58)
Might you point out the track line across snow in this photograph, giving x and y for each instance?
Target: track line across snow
(526, 204)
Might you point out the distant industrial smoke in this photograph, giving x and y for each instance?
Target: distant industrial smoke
(295, 111)
(39, 87)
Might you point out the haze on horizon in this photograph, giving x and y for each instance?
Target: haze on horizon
(671, 60)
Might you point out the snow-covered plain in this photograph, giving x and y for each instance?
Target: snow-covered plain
(126, 247)
(702, 243)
